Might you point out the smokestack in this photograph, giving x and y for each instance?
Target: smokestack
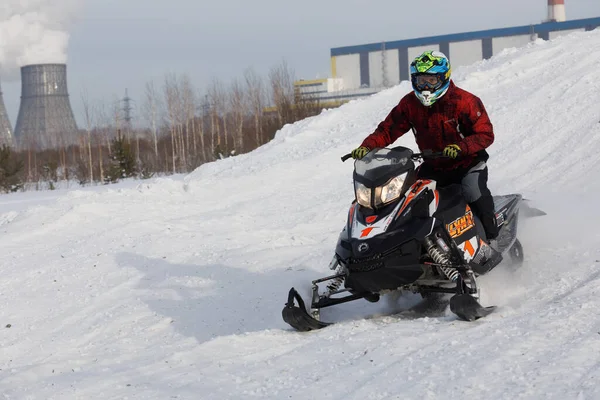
(6, 134)
(45, 116)
(556, 11)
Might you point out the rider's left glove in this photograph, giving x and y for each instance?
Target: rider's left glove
(359, 152)
(452, 151)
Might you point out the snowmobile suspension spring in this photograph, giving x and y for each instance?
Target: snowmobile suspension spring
(440, 257)
(335, 285)
(451, 273)
(337, 282)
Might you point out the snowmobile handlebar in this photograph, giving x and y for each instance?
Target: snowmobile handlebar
(427, 154)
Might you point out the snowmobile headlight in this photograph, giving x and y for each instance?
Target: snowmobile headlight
(391, 191)
(363, 195)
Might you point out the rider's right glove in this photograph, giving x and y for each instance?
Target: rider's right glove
(452, 151)
(360, 152)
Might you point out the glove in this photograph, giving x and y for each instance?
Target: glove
(360, 152)
(452, 151)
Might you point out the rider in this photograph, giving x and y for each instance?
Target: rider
(447, 119)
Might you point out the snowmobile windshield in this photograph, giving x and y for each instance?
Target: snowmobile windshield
(382, 165)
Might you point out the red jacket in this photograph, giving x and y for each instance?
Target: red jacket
(459, 117)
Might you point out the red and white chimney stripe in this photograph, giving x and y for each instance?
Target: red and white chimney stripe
(556, 10)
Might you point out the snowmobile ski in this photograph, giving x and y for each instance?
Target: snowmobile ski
(467, 308)
(297, 316)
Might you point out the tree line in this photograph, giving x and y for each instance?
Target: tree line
(183, 128)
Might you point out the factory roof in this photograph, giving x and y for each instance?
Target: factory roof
(461, 37)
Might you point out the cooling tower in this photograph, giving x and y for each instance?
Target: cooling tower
(45, 116)
(6, 135)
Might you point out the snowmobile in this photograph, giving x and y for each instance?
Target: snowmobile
(408, 234)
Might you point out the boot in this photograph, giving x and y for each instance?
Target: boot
(485, 210)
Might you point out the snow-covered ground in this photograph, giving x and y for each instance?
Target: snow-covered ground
(173, 289)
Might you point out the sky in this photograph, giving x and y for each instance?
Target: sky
(116, 45)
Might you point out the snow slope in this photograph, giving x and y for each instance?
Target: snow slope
(174, 288)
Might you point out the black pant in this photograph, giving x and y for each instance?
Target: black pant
(474, 184)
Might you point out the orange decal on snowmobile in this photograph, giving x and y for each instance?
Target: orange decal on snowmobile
(461, 225)
(469, 248)
(366, 232)
(416, 188)
(371, 219)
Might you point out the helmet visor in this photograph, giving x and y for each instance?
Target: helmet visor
(428, 82)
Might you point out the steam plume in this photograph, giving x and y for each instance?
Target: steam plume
(34, 32)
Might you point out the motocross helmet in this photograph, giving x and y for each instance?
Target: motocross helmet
(430, 76)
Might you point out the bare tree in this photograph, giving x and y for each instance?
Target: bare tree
(216, 96)
(203, 117)
(239, 109)
(281, 79)
(150, 108)
(188, 110)
(88, 115)
(256, 92)
(117, 114)
(171, 93)
(105, 121)
(103, 134)
(179, 138)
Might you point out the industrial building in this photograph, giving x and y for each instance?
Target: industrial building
(358, 71)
